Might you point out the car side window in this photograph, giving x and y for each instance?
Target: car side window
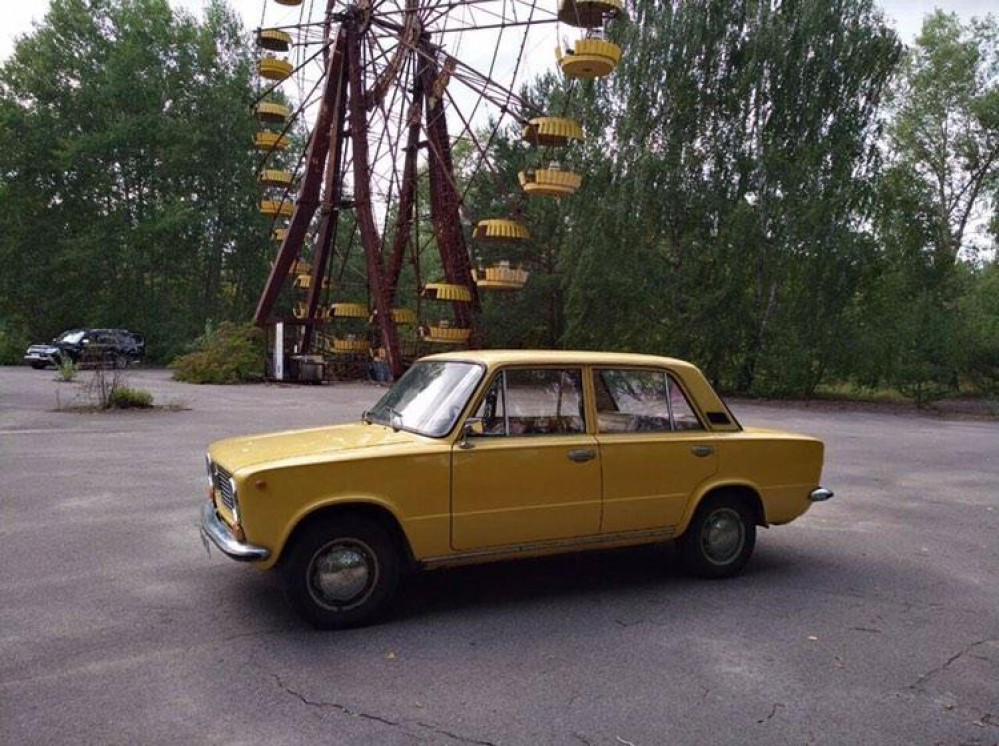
(684, 417)
(636, 400)
(541, 401)
(630, 401)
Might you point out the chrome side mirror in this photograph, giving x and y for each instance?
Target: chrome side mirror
(473, 427)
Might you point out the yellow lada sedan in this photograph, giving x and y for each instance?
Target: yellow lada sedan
(487, 455)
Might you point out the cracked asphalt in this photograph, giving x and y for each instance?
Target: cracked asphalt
(873, 619)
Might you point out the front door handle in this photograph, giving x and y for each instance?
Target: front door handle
(582, 455)
(702, 451)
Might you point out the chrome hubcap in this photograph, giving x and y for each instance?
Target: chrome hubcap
(723, 536)
(342, 573)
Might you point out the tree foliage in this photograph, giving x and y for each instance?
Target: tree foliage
(729, 168)
(127, 192)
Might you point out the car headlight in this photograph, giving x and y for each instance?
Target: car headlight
(235, 501)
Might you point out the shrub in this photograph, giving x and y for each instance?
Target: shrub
(230, 353)
(67, 370)
(128, 398)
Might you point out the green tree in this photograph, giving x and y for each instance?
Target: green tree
(921, 321)
(727, 178)
(127, 188)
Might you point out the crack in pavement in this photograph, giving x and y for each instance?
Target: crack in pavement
(455, 736)
(370, 716)
(333, 705)
(923, 678)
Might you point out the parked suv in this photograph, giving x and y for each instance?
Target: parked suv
(116, 347)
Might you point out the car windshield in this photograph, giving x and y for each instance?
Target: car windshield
(72, 337)
(429, 397)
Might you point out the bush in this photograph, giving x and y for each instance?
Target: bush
(128, 398)
(230, 353)
(67, 370)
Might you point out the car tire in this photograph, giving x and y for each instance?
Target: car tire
(720, 538)
(38, 366)
(341, 572)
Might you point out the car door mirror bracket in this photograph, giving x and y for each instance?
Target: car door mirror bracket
(473, 427)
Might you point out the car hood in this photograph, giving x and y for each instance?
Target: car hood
(328, 442)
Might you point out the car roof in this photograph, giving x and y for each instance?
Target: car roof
(555, 357)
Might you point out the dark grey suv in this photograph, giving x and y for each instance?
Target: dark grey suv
(111, 347)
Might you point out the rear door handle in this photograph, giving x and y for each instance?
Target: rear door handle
(702, 451)
(581, 455)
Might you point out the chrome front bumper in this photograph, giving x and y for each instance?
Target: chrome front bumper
(213, 528)
(820, 495)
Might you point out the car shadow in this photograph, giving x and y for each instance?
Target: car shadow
(612, 576)
(608, 574)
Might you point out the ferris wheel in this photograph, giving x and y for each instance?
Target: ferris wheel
(397, 104)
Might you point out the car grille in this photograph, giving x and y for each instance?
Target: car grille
(224, 486)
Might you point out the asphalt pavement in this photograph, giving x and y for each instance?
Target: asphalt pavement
(874, 619)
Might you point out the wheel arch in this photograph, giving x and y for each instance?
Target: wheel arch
(372, 510)
(745, 491)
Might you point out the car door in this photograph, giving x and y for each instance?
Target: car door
(532, 474)
(654, 449)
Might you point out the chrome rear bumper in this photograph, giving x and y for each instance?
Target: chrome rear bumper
(213, 528)
(820, 495)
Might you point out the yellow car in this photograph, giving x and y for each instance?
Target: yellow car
(487, 455)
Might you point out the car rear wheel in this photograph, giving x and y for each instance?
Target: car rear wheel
(341, 572)
(720, 539)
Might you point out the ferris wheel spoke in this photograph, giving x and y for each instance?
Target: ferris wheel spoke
(495, 26)
(407, 193)
(480, 83)
(363, 210)
(326, 233)
(470, 132)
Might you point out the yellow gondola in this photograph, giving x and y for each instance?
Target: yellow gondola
(445, 334)
(349, 311)
(351, 346)
(500, 229)
(301, 267)
(266, 140)
(274, 40)
(278, 234)
(550, 182)
(501, 276)
(303, 282)
(590, 58)
(276, 208)
(290, 3)
(274, 69)
(551, 131)
(275, 178)
(588, 13)
(446, 292)
(268, 111)
(403, 315)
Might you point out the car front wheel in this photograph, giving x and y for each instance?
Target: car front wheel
(720, 538)
(341, 572)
